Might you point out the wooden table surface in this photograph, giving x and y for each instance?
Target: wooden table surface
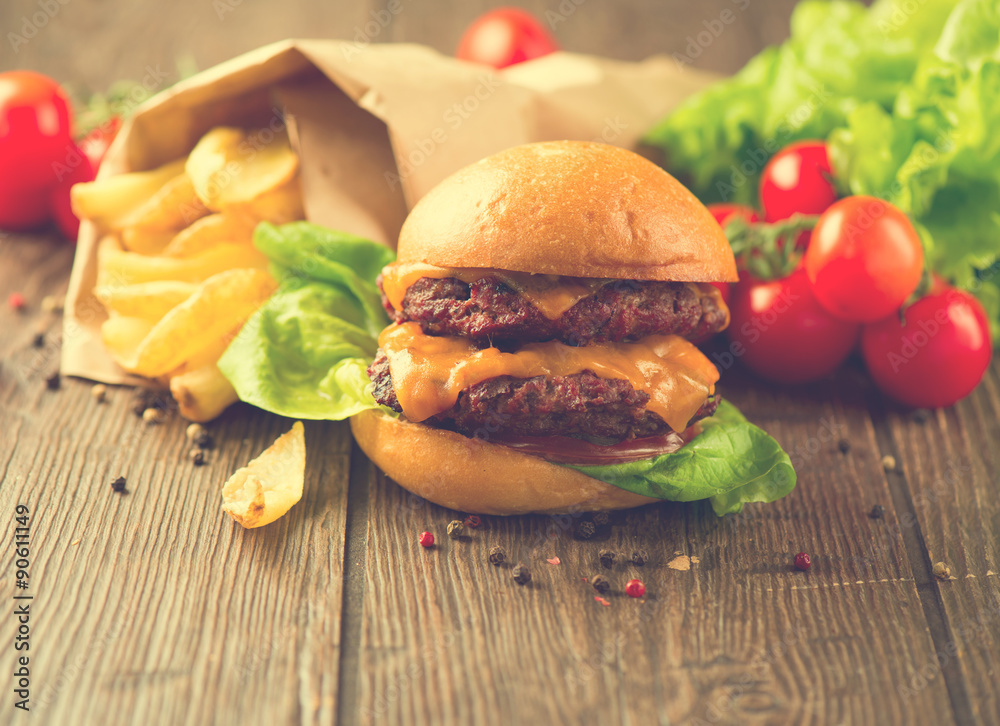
(154, 608)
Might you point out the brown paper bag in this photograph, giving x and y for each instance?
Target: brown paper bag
(376, 127)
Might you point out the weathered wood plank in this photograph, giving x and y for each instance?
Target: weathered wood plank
(154, 607)
(949, 465)
(738, 638)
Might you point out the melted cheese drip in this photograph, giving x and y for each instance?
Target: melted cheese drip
(428, 372)
(552, 295)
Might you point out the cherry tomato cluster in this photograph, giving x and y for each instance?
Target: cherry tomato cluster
(39, 158)
(859, 279)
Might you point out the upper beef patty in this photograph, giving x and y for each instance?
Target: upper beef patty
(578, 405)
(490, 312)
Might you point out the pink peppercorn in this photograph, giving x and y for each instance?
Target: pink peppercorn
(426, 539)
(802, 561)
(635, 588)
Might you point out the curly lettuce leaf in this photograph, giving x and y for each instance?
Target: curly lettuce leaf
(305, 352)
(731, 462)
(936, 152)
(840, 55)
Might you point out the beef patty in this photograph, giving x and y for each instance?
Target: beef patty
(581, 405)
(492, 313)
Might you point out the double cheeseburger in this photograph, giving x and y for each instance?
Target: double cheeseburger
(544, 301)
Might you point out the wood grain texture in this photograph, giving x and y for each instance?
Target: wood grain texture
(154, 607)
(740, 637)
(950, 466)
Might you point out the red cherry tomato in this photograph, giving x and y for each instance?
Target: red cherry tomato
(937, 356)
(35, 128)
(780, 332)
(724, 212)
(798, 179)
(60, 208)
(21, 207)
(505, 36)
(865, 259)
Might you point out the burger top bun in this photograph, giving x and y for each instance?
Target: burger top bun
(476, 476)
(573, 208)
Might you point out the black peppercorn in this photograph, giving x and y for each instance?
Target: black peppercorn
(585, 530)
(497, 556)
(601, 518)
(521, 573)
(844, 445)
(146, 398)
(456, 529)
(607, 558)
(640, 557)
(878, 511)
(204, 441)
(118, 485)
(53, 382)
(600, 583)
(197, 457)
(39, 340)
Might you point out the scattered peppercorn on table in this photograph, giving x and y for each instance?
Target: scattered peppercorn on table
(870, 595)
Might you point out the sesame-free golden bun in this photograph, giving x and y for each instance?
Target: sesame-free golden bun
(476, 476)
(575, 208)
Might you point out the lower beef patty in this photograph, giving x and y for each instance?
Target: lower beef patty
(578, 405)
(488, 311)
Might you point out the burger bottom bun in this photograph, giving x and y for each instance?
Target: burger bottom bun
(472, 475)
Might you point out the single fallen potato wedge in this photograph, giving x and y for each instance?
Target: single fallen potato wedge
(267, 487)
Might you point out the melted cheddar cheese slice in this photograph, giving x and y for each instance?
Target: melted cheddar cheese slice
(429, 372)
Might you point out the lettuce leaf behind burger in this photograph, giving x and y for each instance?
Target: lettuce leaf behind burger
(840, 55)
(305, 354)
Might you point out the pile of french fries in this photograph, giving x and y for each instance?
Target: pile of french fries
(177, 271)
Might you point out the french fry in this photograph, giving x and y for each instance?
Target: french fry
(174, 206)
(202, 393)
(116, 267)
(267, 487)
(105, 201)
(147, 300)
(221, 303)
(230, 166)
(209, 231)
(277, 206)
(145, 241)
(176, 267)
(122, 336)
